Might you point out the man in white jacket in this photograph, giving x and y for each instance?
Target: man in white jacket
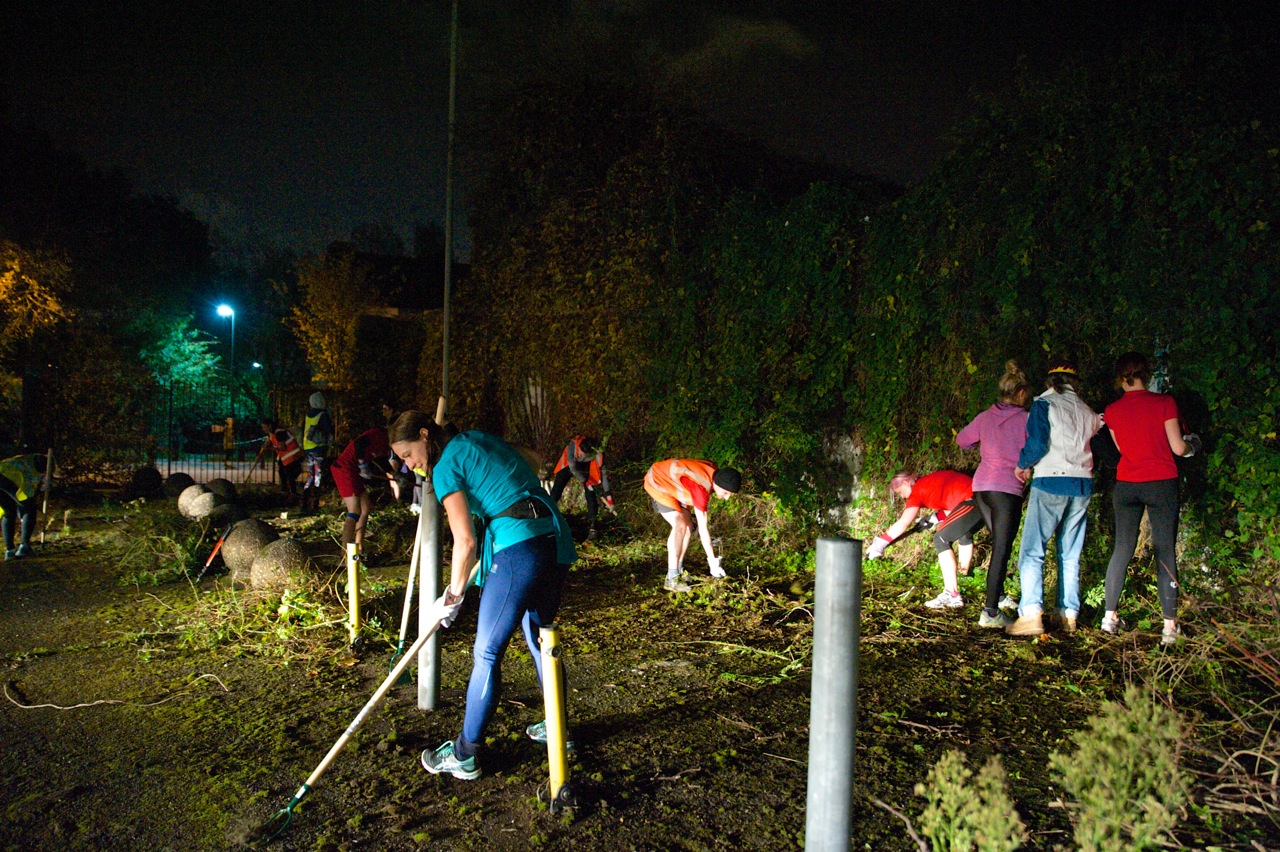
(1057, 453)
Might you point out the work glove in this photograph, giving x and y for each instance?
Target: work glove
(1194, 444)
(415, 509)
(366, 470)
(877, 548)
(608, 502)
(716, 563)
(927, 522)
(446, 612)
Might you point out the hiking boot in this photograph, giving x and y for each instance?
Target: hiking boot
(443, 759)
(946, 600)
(1171, 635)
(538, 733)
(23, 551)
(1063, 623)
(1111, 626)
(1026, 625)
(999, 621)
(1008, 602)
(675, 584)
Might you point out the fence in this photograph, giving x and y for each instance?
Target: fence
(193, 431)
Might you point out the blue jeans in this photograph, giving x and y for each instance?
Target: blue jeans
(1048, 514)
(523, 588)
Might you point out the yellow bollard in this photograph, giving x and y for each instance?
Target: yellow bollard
(553, 699)
(353, 590)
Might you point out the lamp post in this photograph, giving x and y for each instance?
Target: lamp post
(225, 310)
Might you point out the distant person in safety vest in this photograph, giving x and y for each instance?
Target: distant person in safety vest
(317, 433)
(582, 460)
(20, 479)
(288, 454)
(676, 486)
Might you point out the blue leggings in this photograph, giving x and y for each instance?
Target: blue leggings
(523, 588)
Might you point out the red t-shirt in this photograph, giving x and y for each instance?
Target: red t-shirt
(944, 490)
(1137, 421)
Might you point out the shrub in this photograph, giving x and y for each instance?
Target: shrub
(961, 815)
(1124, 775)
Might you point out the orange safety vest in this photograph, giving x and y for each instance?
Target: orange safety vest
(662, 482)
(594, 477)
(287, 450)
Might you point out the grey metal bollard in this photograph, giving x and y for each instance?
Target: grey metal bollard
(833, 701)
(428, 591)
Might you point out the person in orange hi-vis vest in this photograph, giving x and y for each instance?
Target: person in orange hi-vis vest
(676, 486)
(288, 454)
(583, 460)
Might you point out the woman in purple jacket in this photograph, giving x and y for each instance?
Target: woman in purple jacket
(1000, 432)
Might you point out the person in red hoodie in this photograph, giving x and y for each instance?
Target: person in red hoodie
(950, 494)
(364, 460)
(1148, 433)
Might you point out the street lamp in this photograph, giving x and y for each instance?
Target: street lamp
(225, 310)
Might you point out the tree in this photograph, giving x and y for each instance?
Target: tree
(325, 318)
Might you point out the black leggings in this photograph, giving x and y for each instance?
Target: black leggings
(1001, 512)
(1160, 499)
(562, 479)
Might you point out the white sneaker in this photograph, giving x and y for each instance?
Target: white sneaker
(1008, 602)
(946, 600)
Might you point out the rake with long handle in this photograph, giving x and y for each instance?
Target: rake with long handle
(408, 592)
(281, 819)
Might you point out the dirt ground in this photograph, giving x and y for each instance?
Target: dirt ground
(690, 713)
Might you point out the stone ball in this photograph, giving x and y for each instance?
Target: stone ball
(190, 493)
(224, 488)
(202, 505)
(177, 483)
(245, 541)
(281, 564)
(226, 513)
(143, 482)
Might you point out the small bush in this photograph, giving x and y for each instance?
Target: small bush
(1124, 775)
(964, 813)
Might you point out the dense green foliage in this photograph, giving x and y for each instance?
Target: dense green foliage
(1127, 208)
(683, 310)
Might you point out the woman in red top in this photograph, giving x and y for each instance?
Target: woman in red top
(365, 458)
(1147, 432)
(950, 494)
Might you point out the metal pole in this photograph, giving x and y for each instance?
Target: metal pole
(448, 198)
(429, 590)
(834, 694)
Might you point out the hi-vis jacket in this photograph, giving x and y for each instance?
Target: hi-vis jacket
(663, 481)
(287, 449)
(585, 469)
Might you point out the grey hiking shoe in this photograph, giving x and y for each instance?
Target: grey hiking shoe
(538, 733)
(675, 584)
(999, 621)
(1171, 635)
(1008, 602)
(1112, 626)
(443, 759)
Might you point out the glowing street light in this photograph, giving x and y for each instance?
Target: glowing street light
(224, 311)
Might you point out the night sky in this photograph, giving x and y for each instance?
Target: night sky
(287, 123)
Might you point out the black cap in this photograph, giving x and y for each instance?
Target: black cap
(728, 479)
